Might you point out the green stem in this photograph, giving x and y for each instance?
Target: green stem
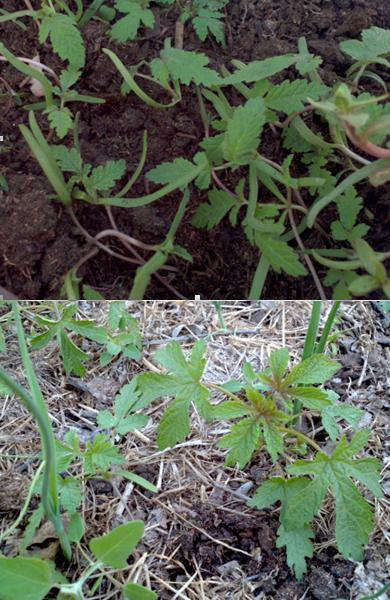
(312, 330)
(320, 347)
(300, 436)
(35, 404)
(18, 14)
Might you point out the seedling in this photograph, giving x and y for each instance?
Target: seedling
(60, 117)
(264, 413)
(109, 551)
(206, 17)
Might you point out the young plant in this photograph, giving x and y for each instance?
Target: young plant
(137, 13)
(109, 551)
(206, 17)
(271, 225)
(66, 323)
(263, 409)
(89, 185)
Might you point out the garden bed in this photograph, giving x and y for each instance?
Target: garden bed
(202, 542)
(39, 243)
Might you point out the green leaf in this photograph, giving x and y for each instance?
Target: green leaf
(242, 441)
(375, 43)
(311, 397)
(354, 518)
(27, 578)
(170, 171)
(280, 255)
(138, 480)
(133, 591)
(296, 538)
(231, 409)
(298, 545)
(174, 426)
(105, 176)
(290, 96)
(210, 214)
(69, 159)
(260, 69)
(209, 21)
(114, 548)
(72, 355)
(243, 132)
(132, 423)
(127, 28)
(349, 413)
(188, 67)
(65, 37)
(314, 370)
(279, 362)
(70, 493)
(100, 454)
(76, 528)
(61, 120)
(273, 440)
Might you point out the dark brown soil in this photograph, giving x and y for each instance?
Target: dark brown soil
(36, 252)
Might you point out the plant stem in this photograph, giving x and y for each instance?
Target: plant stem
(301, 436)
(320, 347)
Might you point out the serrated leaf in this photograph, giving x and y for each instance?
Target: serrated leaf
(243, 131)
(70, 493)
(375, 42)
(311, 397)
(273, 440)
(349, 413)
(72, 356)
(170, 171)
(61, 120)
(231, 409)
(114, 548)
(349, 206)
(132, 423)
(242, 441)
(211, 214)
(208, 21)
(298, 546)
(297, 539)
(69, 159)
(174, 426)
(280, 255)
(354, 518)
(100, 454)
(278, 361)
(105, 176)
(27, 578)
(188, 67)
(290, 96)
(314, 370)
(65, 37)
(260, 69)
(127, 27)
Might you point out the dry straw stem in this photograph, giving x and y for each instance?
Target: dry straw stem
(195, 488)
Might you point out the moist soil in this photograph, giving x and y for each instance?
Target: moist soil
(38, 241)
